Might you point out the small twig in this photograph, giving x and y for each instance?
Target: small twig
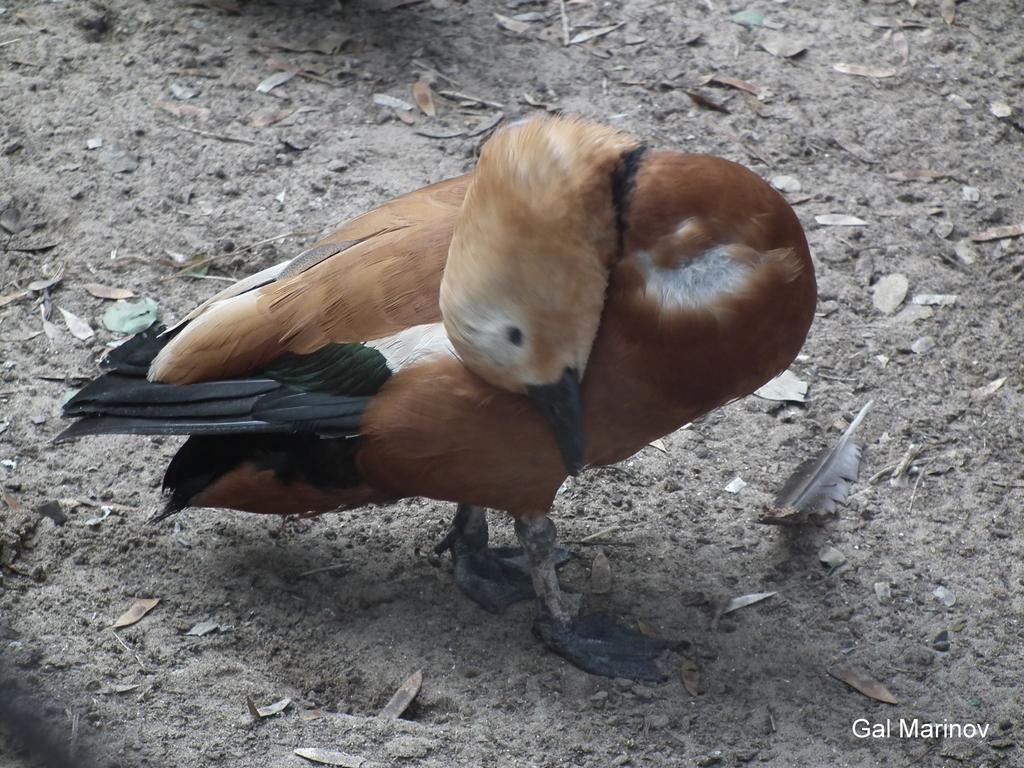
(565, 23)
(423, 65)
(11, 41)
(599, 534)
(913, 494)
(133, 653)
(904, 464)
(460, 96)
(222, 278)
(325, 569)
(245, 249)
(219, 136)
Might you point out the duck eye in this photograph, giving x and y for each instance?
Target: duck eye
(515, 336)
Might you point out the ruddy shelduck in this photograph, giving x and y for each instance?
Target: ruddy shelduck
(574, 297)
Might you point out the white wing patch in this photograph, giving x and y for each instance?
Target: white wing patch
(696, 282)
(413, 344)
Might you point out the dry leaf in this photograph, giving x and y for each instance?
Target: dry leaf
(840, 220)
(204, 628)
(424, 97)
(784, 47)
(916, 174)
(731, 82)
(139, 609)
(52, 331)
(326, 45)
(403, 697)
(703, 101)
(383, 100)
(79, 328)
(948, 10)
(902, 46)
(735, 485)
(16, 296)
(984, 393)
(865, 70)
(863, 684)
(997, 233)
(330, 757)
(270, 709)
(786, 387)
(600, 575)
(106, 292)
(690, 674)
(744, 600)
(659, 444)
(591, 34)
(507, 22)
(44, 284)
(486, 125)
(278, 78)
(266, 119)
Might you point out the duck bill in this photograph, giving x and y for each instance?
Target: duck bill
(562, 407)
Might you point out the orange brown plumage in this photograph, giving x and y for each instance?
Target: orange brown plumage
(572, 299)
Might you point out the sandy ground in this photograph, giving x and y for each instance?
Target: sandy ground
(132, 136)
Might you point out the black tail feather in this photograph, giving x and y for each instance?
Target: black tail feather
(293, 458)
(123, 401)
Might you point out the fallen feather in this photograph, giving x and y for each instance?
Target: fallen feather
(865, 70)
(107, 292)
(863, 684)
(79, 328)
(139, 609)
(998, 233)
(592, 34)
(744, 600)
(821, 483)
(403, 697)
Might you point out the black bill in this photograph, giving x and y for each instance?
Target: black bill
(561, 406)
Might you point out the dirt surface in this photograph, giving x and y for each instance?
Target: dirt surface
(336, 612)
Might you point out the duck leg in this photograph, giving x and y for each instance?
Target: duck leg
(597, 644)
(492, 577)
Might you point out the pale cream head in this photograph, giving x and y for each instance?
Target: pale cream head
(524, 286)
